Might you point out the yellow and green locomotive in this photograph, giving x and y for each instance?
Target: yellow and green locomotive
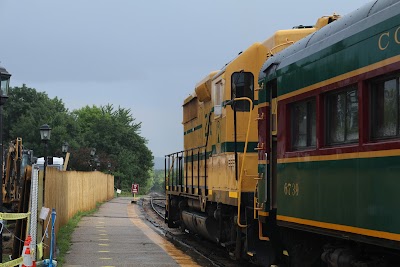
(301, 167)
(213, 181)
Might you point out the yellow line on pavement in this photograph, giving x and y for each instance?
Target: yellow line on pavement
(176, 254)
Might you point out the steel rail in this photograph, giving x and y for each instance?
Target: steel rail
(152, 206)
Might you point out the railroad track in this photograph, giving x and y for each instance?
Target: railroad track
(158, 205)
(208, 254)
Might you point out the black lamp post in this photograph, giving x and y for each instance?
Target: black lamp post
(45, 132)
(92, 152)
(65, 147)
(4, 87)
(64, 150)
(91, 162)
(97, 162)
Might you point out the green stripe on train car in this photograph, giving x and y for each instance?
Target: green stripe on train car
(360, 193)
(225, 147)
(193, 129)
(230, 147)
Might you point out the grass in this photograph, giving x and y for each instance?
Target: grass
(125, 194)
(65, 233)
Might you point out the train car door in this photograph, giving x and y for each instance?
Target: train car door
(273, 161)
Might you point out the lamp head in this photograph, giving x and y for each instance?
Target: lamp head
(4, 85)
(45, 132)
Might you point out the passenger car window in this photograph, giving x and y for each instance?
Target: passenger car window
(303, 122)
(385, 108)
(342, 116)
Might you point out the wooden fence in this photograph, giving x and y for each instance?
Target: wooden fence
(70, 192)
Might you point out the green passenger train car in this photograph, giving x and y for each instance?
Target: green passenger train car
(332, 135)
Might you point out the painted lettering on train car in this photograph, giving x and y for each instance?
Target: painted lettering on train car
(386, 38)
(291, 189)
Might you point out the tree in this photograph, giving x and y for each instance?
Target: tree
(159, 181)
(115, 135)
(26, 110)
(112, 131)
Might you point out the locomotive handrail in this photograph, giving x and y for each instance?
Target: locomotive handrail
(181, 176)
(170, 168)
(244, 157)
(168, 155)
(279, 45)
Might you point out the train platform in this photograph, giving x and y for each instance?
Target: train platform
(119, 235)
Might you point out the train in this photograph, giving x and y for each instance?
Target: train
(292, 150)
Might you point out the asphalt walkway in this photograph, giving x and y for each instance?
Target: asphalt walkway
(118, 235)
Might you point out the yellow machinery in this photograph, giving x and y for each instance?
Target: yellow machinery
(13, 172)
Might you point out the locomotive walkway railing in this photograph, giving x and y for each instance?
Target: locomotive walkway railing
(186, 171)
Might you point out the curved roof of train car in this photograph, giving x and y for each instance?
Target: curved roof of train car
(335, 32)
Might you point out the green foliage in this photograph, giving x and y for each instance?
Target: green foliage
(159, 181)
(112, 131)
(26, 110)
(115, 135)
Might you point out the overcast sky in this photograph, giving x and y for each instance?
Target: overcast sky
(145, 56)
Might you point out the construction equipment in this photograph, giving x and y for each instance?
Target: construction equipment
(16, 161)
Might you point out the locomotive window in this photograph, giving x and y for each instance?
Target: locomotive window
(303, 124)
(242, 86)
(342, 116)
(385, 108)
(218, 97)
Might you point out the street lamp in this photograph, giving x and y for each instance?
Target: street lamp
(45, 132)
(64, 150)
(92, 152)
(65, 147)
(97, 161)
(4, 87)
(91, 161)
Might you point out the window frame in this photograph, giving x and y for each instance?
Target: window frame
(373, 85)
(238, 105)
(328, 119)
(309, 130)
(218, 96)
